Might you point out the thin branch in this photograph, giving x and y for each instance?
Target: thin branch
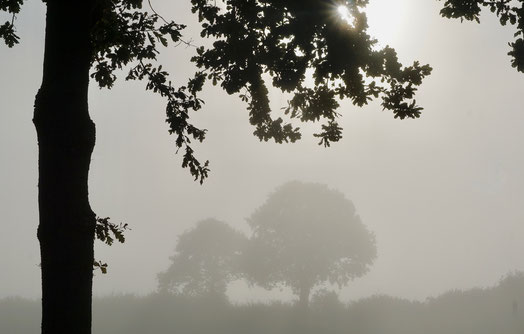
(182, 41)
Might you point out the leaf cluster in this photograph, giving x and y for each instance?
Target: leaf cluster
(100, 265)
(125, 36)
(7, 30)
(307, 50)
(108, 232)
(508, 11)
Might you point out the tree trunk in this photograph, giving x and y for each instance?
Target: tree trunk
(66, 138)
(303, 300)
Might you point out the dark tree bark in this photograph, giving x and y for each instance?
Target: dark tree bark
(66, 138)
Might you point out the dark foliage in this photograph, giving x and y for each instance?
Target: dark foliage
(7, 29)
(508, 11)
(129, 37)
(291, 41)
(107, 232)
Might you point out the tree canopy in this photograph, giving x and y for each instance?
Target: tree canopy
(207, 258)
(309, 50)
(306, 234)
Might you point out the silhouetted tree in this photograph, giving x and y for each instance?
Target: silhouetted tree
(306, 234)
(508, 11)
(94, 38)
(207, 258)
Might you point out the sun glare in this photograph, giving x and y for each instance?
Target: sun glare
(388, 20)
(345, 14)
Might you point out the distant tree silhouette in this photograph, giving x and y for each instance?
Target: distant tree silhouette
(306, 234)
(207, 258)
(508, 11)
(253, 40)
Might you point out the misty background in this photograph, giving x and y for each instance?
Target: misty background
(443, 193)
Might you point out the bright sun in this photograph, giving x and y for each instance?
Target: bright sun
(388, 20)
(345, 14)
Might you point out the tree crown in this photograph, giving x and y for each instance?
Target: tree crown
(306, 234)
(206, 259)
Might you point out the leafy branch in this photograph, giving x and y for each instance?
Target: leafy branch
(7, 30)
(129, 37)
(108, 232)
(100, 265)
(506, 10)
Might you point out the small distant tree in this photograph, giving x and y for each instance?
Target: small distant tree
(206, 260)
(306, 234)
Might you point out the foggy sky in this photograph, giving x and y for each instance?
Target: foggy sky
(442, 193)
